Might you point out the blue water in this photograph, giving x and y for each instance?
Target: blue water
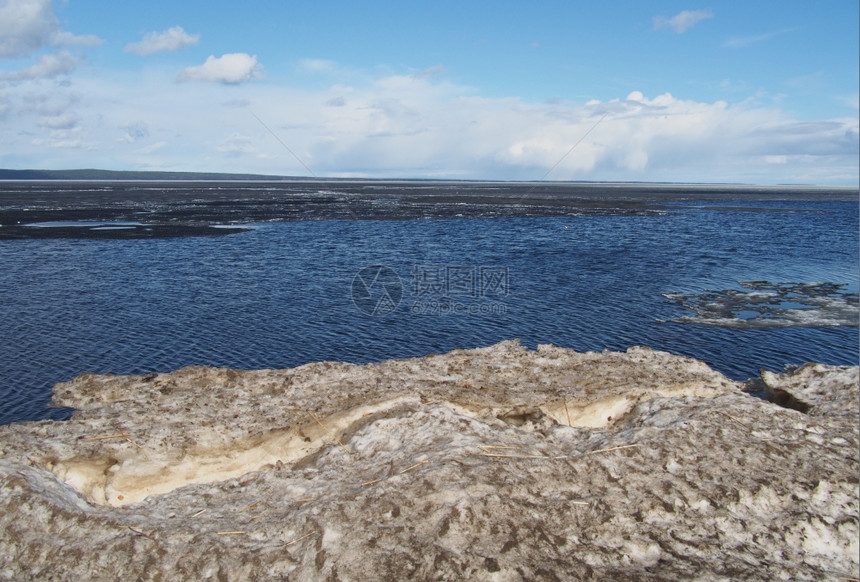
(282, 294)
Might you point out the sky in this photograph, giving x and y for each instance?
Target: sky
(762, 92)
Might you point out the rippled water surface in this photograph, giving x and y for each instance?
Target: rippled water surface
(283, 294)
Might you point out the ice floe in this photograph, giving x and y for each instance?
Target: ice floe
(767, 305)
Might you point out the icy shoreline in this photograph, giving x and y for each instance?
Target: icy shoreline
(495, 463)
(191, 208)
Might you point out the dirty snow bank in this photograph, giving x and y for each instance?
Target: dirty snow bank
(497, 463)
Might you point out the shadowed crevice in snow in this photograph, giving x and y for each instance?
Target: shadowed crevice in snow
(810, 389)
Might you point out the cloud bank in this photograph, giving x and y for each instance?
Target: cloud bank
(172, 39)
(418, 125)
(230, 69)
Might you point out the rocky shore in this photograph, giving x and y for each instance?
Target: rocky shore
(498, 463)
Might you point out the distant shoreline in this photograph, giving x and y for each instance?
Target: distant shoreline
(176, 208)
(118, 176)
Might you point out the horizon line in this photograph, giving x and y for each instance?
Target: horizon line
(190, 175)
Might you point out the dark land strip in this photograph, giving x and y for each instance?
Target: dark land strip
(156, 209)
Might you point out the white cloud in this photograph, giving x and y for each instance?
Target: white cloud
(152, 148)
(236, 144)
(48, 66)
(852, 101)
(317, 65)
(28, 25)
(64, 132)
(745, 41)
(133, 132)
(230, 69)
(682, 21)
(64, 143)
(432, 72)
(59, 122)
(172, 39)
(68, 39)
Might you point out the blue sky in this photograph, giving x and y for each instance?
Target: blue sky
(756, 92)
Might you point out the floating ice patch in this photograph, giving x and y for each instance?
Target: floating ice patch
(767, 304)
(93, 224)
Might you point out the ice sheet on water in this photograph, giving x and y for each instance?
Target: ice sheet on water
(102, 224)
(762, 304)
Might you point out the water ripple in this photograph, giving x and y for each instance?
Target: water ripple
(280, 296)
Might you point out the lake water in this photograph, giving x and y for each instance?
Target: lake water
(288, 293)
